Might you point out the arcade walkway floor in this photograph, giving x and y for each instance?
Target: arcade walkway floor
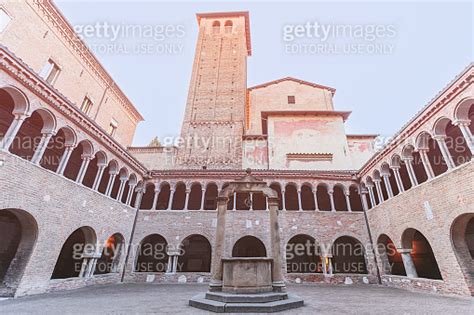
(173, 299)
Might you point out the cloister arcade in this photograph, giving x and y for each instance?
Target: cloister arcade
(294, 197)
(446, 144)
(37, 136)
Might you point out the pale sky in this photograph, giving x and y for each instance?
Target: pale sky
(421, 47)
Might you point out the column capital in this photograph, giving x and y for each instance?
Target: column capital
(377, 180)
(404, 250)
(439, 138)
(395, 167)
(462, 122)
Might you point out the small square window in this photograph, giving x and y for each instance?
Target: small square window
(4, 20)
(86, 105)
(291, 99)
(50, 71)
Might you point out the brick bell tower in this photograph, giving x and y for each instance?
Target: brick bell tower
(215, 110)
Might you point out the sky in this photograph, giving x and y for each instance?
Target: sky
(385, 60)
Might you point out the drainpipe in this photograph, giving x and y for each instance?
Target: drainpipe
(379, 278)
(137, 208)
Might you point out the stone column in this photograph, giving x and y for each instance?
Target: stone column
(300, 204)
(445, 151)
(131, 188)
(235, 202)
(170, 200)
(283, 202)
(175, 264)
(371, 195)
(411, 171)
(277, 275)
(187, 192)
(98, 177)
(123, 180)
(378, 187)
(216, 266)
(169, 265)
(331, 199)
(82, 171)
(39, 152)
(266, 203)
(398, 178)
(315, 193)
(12, 131)
(110, 184)
(203, 198)
(408, 263)
(363, 197)
(348, 202)
(426, 163)
(155, 198)
(466, 132)
(251, 201)
(138, 200)
(388, 186)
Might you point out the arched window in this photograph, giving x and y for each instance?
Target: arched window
(195, 196)
(228, 26)
(291, 197)
(324, 203)
(216, 27)
(307, 197)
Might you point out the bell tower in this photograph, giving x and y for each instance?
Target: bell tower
(215, 110)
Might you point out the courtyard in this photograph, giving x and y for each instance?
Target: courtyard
(173, 299)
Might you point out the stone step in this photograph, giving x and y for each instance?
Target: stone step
(246, 298)
(200, 301)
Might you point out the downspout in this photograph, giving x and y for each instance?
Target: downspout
(138, 202)
(379, 278)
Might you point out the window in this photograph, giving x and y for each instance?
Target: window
(216, 26)
(50, 71)
(228, 27)
(113, 127)
(4, 20)
(291, 99)
(86, 105)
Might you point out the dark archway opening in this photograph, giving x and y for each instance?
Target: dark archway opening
(291, 197)
(196, 255)
(324, 203)
(152, 254)
(249, 246)
(302, 255)
(422, 254)
(391, 259)
(348, 256)
(110, 259)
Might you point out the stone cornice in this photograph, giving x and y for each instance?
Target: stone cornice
(454, 88)
(30, 79)
(315, 85)
(346, 175)
(55, 18)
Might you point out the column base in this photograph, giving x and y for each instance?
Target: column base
(215, 285)
(279, 286)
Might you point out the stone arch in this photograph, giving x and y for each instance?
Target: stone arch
(462, 238)
(196, 254)
(216, 27)
(303, 255)
(109, 261)
(148, 197)
(339, 195)
(291, 197)
(454, 139)
(396, 161)
(65, 137)
(277, 188)
(80, 244)
(122, 176)
(152, 254)
(348, 256)
(354, 198)
(249, 246)
(25, 143)
(421, 253)
(83, 150)
(307, 197)
(228, 26)
(18, 234)
(164, 196)
(370, 183)
(100, 159)
(179, 196)
(210, 196)
(390, 258)
(111, 169)
(195, 196)
(322, 197)
(464, 112)
(21, 104)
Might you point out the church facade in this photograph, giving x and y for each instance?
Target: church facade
(81, 206)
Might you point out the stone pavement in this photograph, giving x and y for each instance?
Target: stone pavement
(173, 299)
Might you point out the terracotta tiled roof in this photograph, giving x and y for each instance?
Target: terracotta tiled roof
(263, 85)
